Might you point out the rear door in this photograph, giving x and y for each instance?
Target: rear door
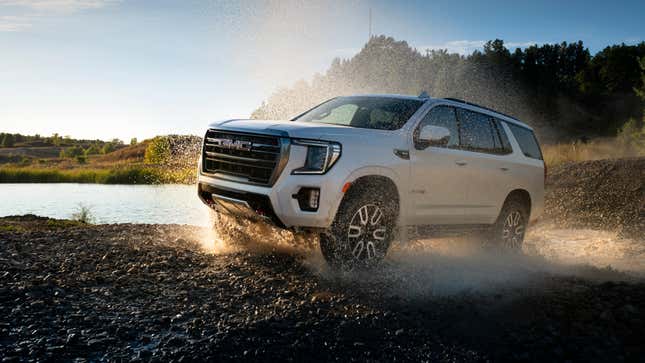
(486, 152)
(439, 181)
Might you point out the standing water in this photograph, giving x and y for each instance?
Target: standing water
(107, 203)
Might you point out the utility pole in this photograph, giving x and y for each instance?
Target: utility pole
(370, 26)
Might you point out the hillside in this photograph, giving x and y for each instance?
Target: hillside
(600, 194)
(163, 159)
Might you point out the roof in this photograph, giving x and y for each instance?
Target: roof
(388, 95)
(474, 106)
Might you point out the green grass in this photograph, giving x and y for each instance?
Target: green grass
(127, 175)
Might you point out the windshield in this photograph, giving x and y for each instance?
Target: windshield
(383, 113)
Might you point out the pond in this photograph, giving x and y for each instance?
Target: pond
(107, 203)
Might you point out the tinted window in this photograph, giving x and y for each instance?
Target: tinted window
(476, 131)
(384, 113)
(526, 139)
(443, 116)
(505, 144)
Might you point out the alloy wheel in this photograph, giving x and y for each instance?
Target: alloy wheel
(367, 232)
(513, 230)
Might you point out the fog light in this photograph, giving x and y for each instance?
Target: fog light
(308, 199)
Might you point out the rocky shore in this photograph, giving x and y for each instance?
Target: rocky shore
(76, 292)
(71, 292)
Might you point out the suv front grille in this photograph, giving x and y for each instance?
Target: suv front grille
(256, 158)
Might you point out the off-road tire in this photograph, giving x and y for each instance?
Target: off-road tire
(507, 234)
(360, 235)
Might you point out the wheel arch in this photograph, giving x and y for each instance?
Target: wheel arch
(371, 183)
(519, 194)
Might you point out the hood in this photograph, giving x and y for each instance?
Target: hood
(296, 129)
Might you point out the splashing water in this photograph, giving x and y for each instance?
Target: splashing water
(447, 266)
(586, 246)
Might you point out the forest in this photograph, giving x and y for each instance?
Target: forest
(562, 90)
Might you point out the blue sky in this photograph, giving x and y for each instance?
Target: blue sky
(121, 68)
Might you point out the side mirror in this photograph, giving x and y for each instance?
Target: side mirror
(431, 135)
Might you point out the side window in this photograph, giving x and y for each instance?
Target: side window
(506, 145)
(526, 139)
(443, 116)
(476, 131)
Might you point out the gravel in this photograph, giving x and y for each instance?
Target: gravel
(74, 292)
(150, 293)
(603, 194)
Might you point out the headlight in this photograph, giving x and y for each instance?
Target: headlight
(321, 156)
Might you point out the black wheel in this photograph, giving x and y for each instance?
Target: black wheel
(362, 231)
(510, 227)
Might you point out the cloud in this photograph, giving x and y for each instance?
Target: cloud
(14, 23)
(465, 47)
(24, 13)
(58, 6)
(512, 45)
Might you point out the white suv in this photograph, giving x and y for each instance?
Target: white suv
(357, 169)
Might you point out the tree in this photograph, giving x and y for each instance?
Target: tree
(72, 152)
(93, 150)
(641, 91)
(108, 148)
(8, 140)
(133, 141)
(55, 140)
(557, 88)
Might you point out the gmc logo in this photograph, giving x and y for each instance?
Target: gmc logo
(234, 144)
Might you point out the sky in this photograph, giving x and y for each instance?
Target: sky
(138, 68)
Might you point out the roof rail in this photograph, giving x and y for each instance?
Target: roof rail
(480, 106)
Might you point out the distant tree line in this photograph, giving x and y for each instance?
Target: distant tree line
(80, 153)
(560, 89)
(16, 140)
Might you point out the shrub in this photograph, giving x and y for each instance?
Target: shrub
(83, 214)
(72, 152)
(92, 150)
(158, 150)
(8, 140)
(632, 134)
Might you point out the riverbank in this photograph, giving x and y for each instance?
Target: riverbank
(134, 174)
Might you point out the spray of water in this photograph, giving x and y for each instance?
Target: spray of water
(419, 269)
(443, 267)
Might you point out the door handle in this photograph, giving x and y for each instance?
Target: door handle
(461, 162)
(503, 168)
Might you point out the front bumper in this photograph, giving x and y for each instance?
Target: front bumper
(276, 203)
(247, 205)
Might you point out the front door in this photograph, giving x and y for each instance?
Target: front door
(439, 177)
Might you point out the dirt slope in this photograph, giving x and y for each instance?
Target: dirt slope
(602, 194)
